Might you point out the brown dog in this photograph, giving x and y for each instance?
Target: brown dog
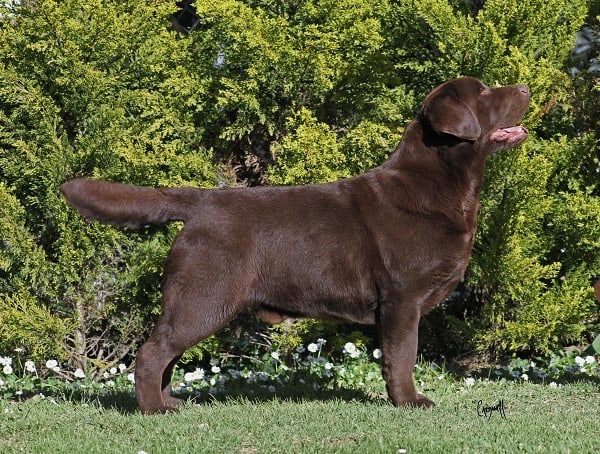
(380, 248)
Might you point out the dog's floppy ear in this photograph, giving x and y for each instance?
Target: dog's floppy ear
(449, 115)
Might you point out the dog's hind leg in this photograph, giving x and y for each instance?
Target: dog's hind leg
(168, 399)
(200, 296)
(157, 357)
(180, 327)
(153, 366)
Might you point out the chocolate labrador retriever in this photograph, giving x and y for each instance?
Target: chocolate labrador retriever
(381, 248)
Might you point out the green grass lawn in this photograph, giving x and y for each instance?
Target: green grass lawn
(537, 418)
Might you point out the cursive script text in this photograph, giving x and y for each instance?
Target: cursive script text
(488, 410)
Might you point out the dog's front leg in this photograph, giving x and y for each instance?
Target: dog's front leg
(398, 327)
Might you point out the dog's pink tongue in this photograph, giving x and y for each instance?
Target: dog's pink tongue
(511, 137)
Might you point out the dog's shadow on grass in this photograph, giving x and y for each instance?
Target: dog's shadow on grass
(124, 402)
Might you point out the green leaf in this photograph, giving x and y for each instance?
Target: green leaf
(596, 344)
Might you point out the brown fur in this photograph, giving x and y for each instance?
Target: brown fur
(381, 248)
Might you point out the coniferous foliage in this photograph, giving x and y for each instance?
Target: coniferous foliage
(265, 92)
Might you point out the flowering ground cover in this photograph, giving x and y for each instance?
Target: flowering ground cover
(308, 401)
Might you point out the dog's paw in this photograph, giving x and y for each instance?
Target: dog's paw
(424, 402)
(419, 402)
(162, 410)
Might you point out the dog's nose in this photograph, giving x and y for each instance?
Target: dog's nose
(523, 89)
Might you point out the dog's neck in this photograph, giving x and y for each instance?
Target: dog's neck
(436, 162)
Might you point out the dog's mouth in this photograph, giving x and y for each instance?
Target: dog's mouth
(510, 137)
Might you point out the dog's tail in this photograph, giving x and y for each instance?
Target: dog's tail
(129, 206)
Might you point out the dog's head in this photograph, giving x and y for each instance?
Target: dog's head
(470, 110)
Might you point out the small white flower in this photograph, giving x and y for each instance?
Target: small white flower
(110, 383)
(105, 375)
(377, 353)
(579, 361)
(328, 366)
(440, 377)
(79, 373)
(215, 369)
(349, 348)
(131, 377)
(525, 377)
(188, 377)
(19, 393)
(52, 364)
(113, 370)
(313, 348)
(275, 355)
(122, 367)
(7, 369)
(5, 360)
(469, 381)
(553, 385)
(590, 360)
(321, 341)
(198, 374)
(30, 366)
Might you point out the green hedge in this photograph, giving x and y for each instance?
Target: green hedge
(281, 93)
